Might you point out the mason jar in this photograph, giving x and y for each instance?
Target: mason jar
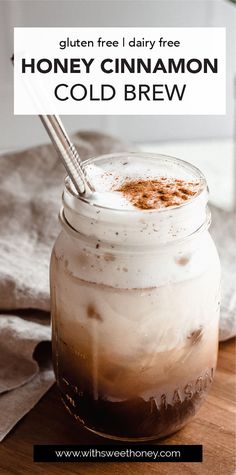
(135, 306)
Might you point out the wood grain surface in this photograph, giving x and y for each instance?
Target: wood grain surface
(49, 423)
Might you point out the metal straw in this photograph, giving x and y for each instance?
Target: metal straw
(67, 153)
(66, 150)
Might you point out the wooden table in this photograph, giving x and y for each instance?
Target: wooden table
(49, 423)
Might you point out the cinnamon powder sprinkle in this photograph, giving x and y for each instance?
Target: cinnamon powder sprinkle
(158, 193)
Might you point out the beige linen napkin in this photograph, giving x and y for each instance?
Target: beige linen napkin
(223, 231)
(31, 184)
(19, 339)
(25, 368)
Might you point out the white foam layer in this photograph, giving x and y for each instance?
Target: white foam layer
(109, 176)
(124, 247)
(111, 218)
(112, 199)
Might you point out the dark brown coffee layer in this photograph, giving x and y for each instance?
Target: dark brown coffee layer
(136, 418)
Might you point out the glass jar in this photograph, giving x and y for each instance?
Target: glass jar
(135, 308)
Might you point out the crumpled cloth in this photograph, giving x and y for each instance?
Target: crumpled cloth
(31, 184)
(223, 231)
(24, 375)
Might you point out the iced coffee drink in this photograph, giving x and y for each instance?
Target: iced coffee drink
(135, 298)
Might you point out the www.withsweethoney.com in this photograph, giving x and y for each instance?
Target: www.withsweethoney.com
(130, 453)
(118, 453)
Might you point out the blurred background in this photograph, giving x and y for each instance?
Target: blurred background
(206, 141)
